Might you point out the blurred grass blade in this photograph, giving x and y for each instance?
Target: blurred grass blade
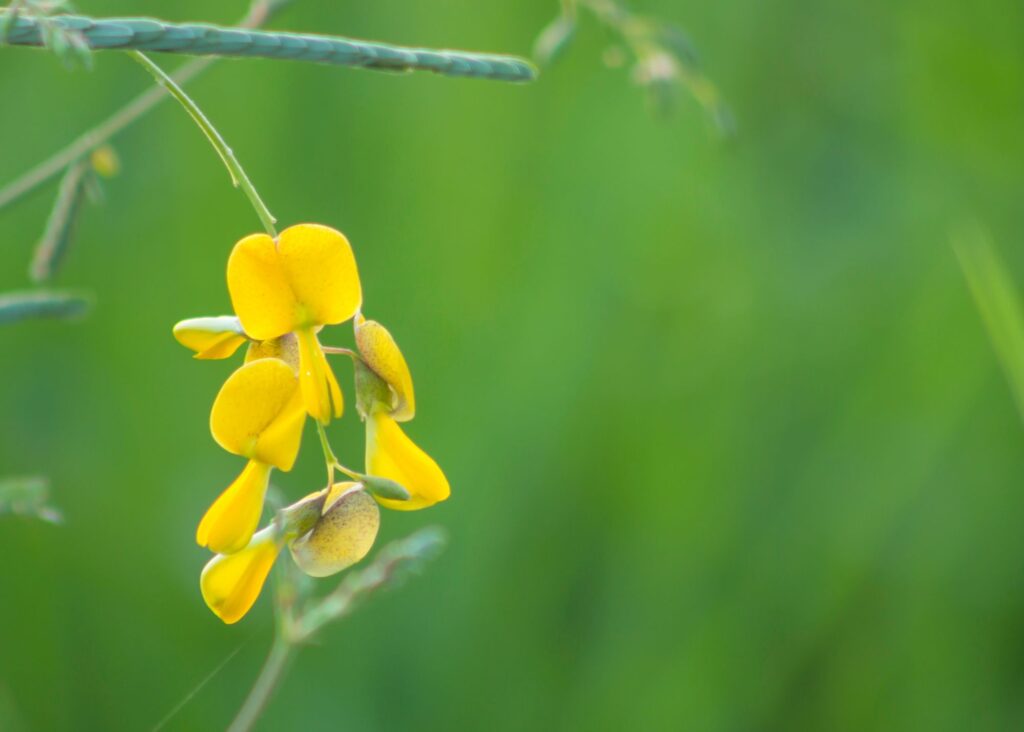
(17, 306)
(998, 302)
(60, 227)
(28, 496)
(556, 37)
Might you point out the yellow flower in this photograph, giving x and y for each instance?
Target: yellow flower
(304, 280)
(327, 531)
(259, 415)
(342, 536)
(230, 583)
(380, 352)
(211, 337)
(391, 454)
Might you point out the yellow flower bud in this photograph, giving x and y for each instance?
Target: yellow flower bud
(342, 536)
(380, 352)
(211, 337)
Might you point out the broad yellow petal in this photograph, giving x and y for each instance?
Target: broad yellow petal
(230, 583)
(230, 522)
(391, 454)
(343, 535)
(320, 388)
(378, 348)
(260, 293)
(211, 337)
(321, 271)
(257, 413)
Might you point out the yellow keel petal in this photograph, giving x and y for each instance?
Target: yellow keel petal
(230, 522)
(391, 454)
(320, 388)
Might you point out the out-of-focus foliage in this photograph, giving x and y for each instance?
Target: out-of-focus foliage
(728, 444)
(28, 496)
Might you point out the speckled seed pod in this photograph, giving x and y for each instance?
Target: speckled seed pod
(342, 536)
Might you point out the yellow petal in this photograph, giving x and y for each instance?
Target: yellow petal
(320, 388)
(391, 454)
(378, 348)
(230, 583)
(343, 535)
(211, 337)
(259, 288)
(321, 272)
(307, 278)
(258, 413)
(229, 523)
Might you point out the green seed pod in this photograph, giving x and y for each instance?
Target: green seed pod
(343, 535)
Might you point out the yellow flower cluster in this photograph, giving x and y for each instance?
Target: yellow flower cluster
(284, 291)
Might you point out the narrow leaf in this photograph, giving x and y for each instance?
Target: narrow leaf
(60, 227)
(17, 306)
(998, 303)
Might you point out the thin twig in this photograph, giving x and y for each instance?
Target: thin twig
(270, 676)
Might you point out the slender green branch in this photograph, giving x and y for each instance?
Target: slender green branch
(238, 175)
(56, 164)
(270, 676)
(147, 34)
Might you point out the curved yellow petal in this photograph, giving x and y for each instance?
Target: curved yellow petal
(320, 388)
(391, 454)
(211, 337)
(260, 293)
(378, 348)
(230, 583)
(258, 413)
(343, 535)
(230, 522)
(321, 271)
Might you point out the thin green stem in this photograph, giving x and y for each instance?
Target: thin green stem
(90, 140)
(329, 457)
(270, 676)
(238, 175)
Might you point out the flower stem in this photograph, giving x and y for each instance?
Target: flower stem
(270, 676)
(238, 175)
(329, 455)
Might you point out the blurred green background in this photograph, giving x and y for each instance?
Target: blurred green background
(728, 445)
